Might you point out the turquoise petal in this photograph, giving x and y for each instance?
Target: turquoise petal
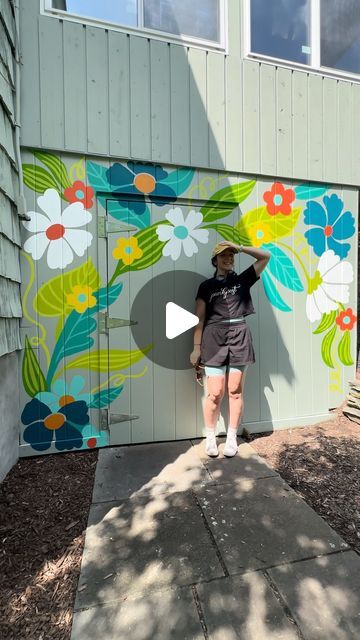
(48, 398)
(59, 387)
(76, 386)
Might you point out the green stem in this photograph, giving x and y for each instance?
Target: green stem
(282, 244)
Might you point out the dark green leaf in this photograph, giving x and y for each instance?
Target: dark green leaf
(33, 377)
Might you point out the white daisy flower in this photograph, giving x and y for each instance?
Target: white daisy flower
(57, 231)
(181, 233)
(328, 286)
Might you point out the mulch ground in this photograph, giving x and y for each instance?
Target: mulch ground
(322, 464)
(45, 501)
(44, 506)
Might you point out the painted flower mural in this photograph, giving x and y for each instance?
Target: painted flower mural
(329, 286)
(79, 192)
(330, 226)
(346, 320)
(141, 180)
(57, 232)
(63, 393)
(63, 426)
(127, 250)
(81, 298)
(181, 234)
(278, 199)
(146, 201)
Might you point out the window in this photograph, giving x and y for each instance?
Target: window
(316, 33)
(340, 35)
(201, 21)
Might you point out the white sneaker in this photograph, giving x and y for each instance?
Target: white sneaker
(231, 447)
(211, 447)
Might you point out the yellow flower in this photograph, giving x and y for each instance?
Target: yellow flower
(127, 250)
(81, 298)
(259, 233)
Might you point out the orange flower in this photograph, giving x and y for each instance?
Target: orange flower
(81, 298)
(78, 192)
(346, 319)
(278, 199)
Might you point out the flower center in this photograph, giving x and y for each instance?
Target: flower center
(54, 421)
(145, 183)
(181, 232)
(278, 200)
(315, 282)
(128, 250)
(328, 230)
(259, 234)
(346, 320)
(82, 297)
(55, 232)
(66, 400)
(79, 193)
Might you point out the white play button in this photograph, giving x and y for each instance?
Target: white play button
(178, 320)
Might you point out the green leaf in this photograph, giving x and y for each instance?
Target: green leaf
(281, 267)
(308, 191)
(344, 349)
(104, 360)
(272, 293)
(276, 226)
(56, 167)
(326, 347)
(223, 202)
(326, 321)
(50, 300)
(227, 232)
(74, 337)
(179, 180)
(97, 177)
(105, 397)
(37, 179)
(151, 247)
(32, 376)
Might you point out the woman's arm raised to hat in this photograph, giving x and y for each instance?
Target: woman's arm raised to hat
(262, 257)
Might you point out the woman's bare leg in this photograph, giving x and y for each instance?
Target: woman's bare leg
(215, 392)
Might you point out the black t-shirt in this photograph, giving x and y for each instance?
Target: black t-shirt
(230, 298)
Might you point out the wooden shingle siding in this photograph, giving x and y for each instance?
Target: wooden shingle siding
(121, 95)
(10, 243)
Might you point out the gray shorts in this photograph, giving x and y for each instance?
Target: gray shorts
(227, 344)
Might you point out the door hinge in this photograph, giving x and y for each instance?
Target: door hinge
(105, 322)
(107, 418)
(106, 226)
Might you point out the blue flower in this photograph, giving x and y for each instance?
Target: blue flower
(330, 226)
(143, 180)
(64, 393)
(44, 425)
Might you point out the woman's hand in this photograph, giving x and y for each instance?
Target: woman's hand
(195, 355)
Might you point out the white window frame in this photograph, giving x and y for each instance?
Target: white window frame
(46, 8)
(314, 66)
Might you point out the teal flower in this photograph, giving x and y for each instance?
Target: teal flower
(63, 393)
(331, 225)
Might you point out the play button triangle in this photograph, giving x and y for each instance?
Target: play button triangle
(178, 320)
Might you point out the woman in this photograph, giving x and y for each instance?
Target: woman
(222, 339)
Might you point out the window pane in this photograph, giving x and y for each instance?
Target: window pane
(119, 11)
(340, 34)
(281, 29)
(197, 18)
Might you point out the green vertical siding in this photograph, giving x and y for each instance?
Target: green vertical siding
(109, 93)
